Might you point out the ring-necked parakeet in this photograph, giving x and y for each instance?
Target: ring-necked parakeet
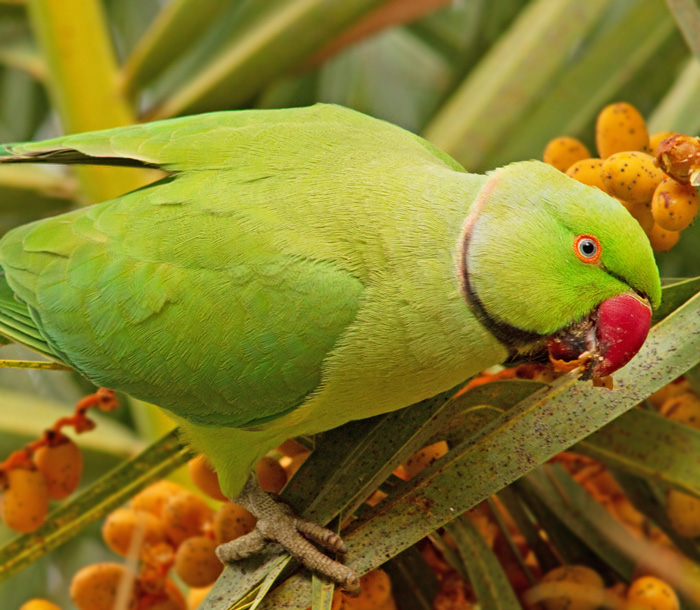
(301, 268)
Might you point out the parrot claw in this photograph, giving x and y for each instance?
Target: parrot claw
(277, 523)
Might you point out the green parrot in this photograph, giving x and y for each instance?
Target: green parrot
(301, 268)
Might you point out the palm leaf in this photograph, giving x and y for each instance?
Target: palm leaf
(498, 93)
(273, 41)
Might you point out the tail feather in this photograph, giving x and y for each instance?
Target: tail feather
(67, 156)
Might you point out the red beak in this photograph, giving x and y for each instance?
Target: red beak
(604, 341)
(621, 327)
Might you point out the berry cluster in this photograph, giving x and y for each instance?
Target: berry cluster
(577, 587)
(168, 528)
(649, 175)
(48, 468)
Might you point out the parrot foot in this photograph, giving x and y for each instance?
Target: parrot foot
(278, 523)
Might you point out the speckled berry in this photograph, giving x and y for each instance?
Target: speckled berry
(651, 593)
(631, 176)
(620, 127)
(588, 171)
(563, 152)
(674, 205)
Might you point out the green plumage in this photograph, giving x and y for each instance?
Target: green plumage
(298, 269)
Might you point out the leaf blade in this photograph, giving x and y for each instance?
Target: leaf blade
(486, 575)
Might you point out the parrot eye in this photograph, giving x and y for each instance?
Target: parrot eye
(587, 248)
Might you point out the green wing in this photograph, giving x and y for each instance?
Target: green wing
(178, 303)
(204, 141)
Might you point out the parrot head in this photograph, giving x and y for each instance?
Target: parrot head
(555, 268)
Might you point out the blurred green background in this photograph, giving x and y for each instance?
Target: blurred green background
(488, 81)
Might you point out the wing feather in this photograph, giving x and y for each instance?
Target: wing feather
(176, 309)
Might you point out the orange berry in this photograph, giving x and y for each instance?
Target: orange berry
(376, 497)
(674, 205)
(375, 591)
(620, 127)
(291, 465)
(482, 519)
(25, 500)
(651, 593)
(196, 562)
(642, 214)
(271, 476)
(684, 513)
(588, 171)
(627, 513)
(338, 602)
(656, 139)
(291, 447)
(205, 478)
(126, 525)
(195, 596)
(454, 593)
(39, 604)
(631, 176)
(662, 240)
(605, 484)
(232, 521)
(62, 466)
(563, 152)
(570, 588)
(684, 408)
(574, 573)
(154, 497)
(421, 459)
(184, 515)
(170, 599)
(389, 604)
(98, 586)
(670, 390)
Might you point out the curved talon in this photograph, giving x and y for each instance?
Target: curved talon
(351, 585)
